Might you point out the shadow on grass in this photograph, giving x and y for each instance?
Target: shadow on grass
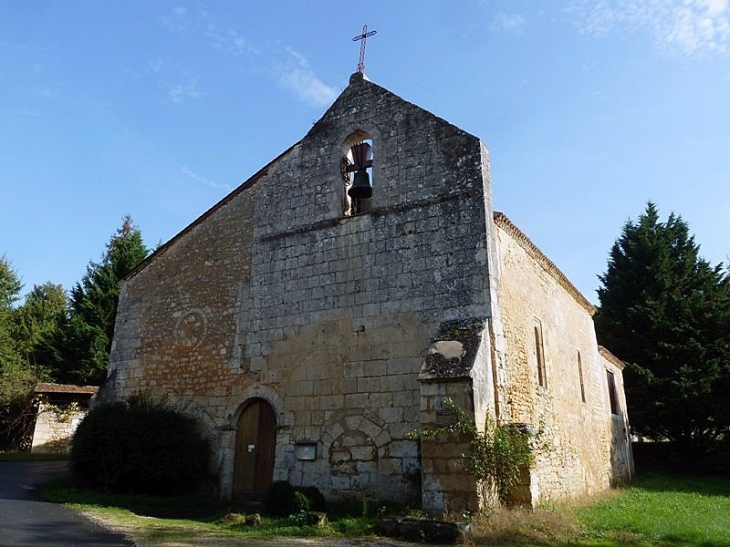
(63, 490)
(197, 516)
(683, 483)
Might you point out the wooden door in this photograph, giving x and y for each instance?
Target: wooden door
(255, 449)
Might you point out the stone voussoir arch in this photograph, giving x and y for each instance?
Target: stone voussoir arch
(352, 135)
(257, 391)
(357, 422)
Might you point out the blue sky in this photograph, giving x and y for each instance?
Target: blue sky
(159, 109)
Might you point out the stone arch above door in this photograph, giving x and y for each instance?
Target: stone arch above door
(258, 391)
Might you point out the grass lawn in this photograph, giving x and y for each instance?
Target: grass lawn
(656, 511)
(662, 510)
(188, 519)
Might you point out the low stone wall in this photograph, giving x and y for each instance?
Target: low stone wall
(54, 428)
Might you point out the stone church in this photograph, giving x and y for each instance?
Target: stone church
(325, 309)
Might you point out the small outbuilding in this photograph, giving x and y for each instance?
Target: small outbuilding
(60, 410)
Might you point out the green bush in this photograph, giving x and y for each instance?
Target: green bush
(279, 498)
(315, 497)
(300, 502)
(283, 499)
(139, 446)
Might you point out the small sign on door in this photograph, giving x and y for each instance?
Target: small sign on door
(251, 447)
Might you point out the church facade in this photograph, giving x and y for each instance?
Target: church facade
(326, 308)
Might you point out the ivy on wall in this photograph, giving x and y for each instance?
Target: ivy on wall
(496, 456)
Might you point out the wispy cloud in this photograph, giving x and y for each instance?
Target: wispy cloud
(178, 84)
(177, 20)
(291, 70)
(207, 182)
(228, 41)
(156, 66)
(506, 22)
(295, 74)
(22, 47)
(57, 93)
(26, 112)
(188, 89)
(684, 27)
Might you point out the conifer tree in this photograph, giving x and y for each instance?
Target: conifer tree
(43, 311)
(666, 312)
(79, 350)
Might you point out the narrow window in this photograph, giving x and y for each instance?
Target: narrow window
(580, 377)
(357, 172)
(612, 392)
(540, 354)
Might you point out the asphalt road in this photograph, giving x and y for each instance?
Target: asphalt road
(25, 519)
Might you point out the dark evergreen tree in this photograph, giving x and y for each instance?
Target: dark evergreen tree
(79, 350)
(43, 312)
(666, 312)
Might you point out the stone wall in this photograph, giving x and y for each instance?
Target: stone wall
(622, 458)
(275, 294)
(54, 428)
(456, 368)
(580, 435)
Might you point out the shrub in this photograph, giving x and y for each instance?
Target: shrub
(279, 498)
(315, 497)
(300, 502)
(139, 446)
(283, 499)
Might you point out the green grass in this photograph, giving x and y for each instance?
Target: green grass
(662, 510)
(188, 519)
(656, 511)
(30, 457)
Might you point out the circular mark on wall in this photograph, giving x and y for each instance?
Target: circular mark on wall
(191, 328)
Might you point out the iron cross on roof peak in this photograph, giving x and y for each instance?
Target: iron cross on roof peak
(362, 38)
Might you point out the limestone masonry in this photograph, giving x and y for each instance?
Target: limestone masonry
(310, 327)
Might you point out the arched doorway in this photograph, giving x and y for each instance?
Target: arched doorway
(255, 449)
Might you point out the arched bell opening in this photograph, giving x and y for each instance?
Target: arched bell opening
(357, 170)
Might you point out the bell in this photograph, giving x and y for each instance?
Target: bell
(360, 188)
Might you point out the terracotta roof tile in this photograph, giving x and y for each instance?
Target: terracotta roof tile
(611, 358)
(65, 388)
(501, 220)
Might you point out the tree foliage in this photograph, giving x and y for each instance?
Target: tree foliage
(666, 312)
(17, 380)
(78, 351)
(50, 337)
(43, 312)
(10, 286)
(18, 405)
